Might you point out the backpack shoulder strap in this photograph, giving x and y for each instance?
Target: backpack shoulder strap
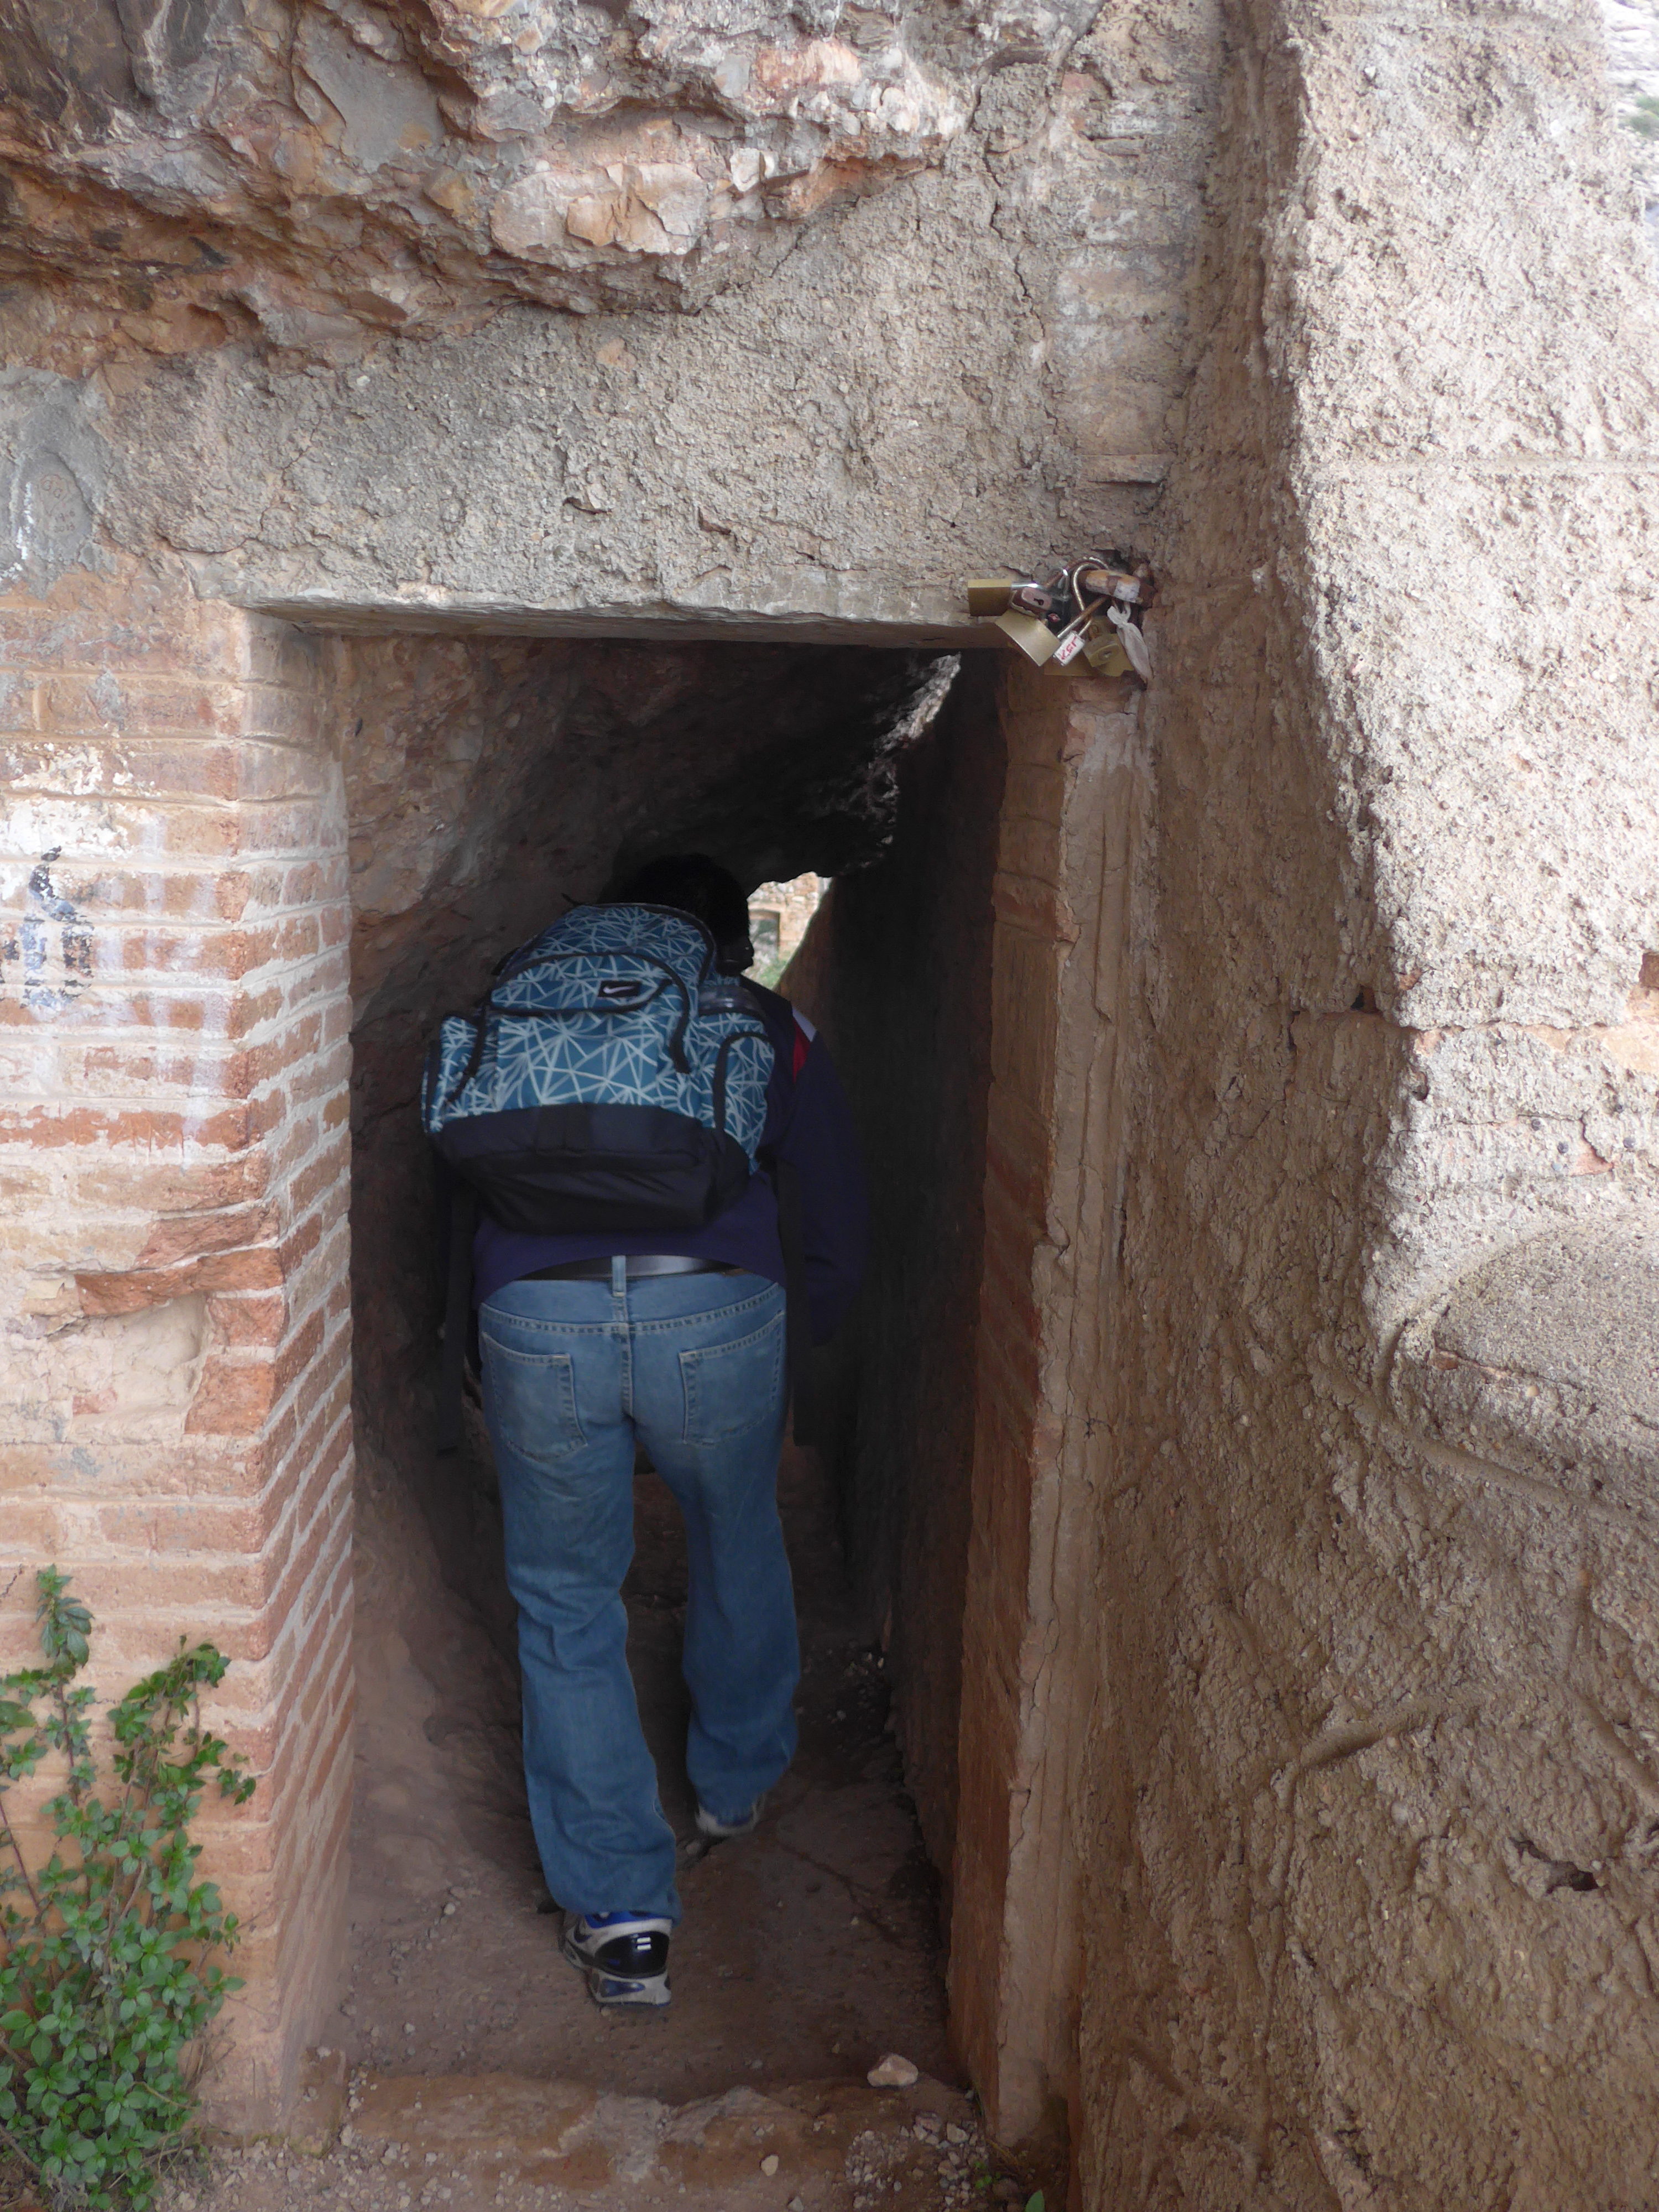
(797, 1318)
(458, 1314)
(792, 1036)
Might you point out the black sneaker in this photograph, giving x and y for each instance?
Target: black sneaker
(625, 1955)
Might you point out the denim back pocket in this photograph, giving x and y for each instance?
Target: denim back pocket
(531, 1396)
(731, 1388)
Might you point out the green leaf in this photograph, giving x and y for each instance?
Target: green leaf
(106, 1980)
(1036, 2203)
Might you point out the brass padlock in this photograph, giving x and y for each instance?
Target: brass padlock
(1034, 639)
(1102, 648)
(989, 595)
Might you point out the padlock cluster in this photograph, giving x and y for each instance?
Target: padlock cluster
(1093, 607)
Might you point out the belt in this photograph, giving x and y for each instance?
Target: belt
(597, 1270)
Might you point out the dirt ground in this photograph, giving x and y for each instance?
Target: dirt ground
(466, 2066)
(807, 1950)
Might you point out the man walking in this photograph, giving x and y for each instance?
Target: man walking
(596, 1338)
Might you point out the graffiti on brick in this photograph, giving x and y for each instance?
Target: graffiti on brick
(49, 952)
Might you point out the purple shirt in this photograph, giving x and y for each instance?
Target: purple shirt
(809, 1124)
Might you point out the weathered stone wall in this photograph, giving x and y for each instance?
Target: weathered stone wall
(342, 167)
(784, 911)
(1366, 1815)
(982, 363)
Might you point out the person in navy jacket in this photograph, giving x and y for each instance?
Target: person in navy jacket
(678, 1342)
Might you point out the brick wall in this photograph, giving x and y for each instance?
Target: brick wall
(984, 1367)
(174, 1156)
(1030, 1684)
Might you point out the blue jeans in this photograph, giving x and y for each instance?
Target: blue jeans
(693, 1366)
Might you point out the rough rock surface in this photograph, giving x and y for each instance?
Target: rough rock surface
(482, 791)
(198, 168)
(1372, 1907)
(982, 364)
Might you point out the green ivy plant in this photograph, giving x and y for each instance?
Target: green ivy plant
(106, 1979)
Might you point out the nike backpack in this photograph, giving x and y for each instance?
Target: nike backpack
(612, 1080)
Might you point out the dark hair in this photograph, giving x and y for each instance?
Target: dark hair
(692, 883)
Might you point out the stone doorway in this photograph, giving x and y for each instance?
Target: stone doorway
(486, 781)
(483, 779)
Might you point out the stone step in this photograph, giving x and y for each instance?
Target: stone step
(747, 2144)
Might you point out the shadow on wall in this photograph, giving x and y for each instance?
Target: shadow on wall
(897, 970)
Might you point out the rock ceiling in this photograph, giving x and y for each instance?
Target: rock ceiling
(308, 170)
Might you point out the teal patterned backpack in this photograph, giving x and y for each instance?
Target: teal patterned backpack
(612, 1080)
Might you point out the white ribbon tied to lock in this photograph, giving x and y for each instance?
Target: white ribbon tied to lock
(1134, 644)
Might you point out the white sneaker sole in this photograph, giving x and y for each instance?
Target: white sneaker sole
(719, 1831)
(611, 1991)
